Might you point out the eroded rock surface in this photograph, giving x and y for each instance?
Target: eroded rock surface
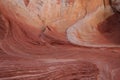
(43, 39)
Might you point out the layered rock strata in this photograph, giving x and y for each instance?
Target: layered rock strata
(38, 40)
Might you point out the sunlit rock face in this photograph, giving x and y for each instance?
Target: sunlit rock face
(86, 31)
(73, 21)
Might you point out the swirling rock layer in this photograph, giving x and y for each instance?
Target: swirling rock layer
(70, 70)
(43, 39)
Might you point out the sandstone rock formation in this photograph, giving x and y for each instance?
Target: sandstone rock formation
(38, 39)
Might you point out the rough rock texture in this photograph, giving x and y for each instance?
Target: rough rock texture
(38, 40)
(115, 5)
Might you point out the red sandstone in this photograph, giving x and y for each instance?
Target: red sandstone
(59, 40)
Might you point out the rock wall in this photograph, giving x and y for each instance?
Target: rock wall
(75, 21)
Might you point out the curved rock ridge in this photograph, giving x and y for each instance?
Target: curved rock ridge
(48, 21)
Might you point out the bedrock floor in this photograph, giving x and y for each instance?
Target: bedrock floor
(63, 62)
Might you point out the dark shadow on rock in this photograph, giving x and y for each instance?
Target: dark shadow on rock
(110, 28)
(26, 2)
